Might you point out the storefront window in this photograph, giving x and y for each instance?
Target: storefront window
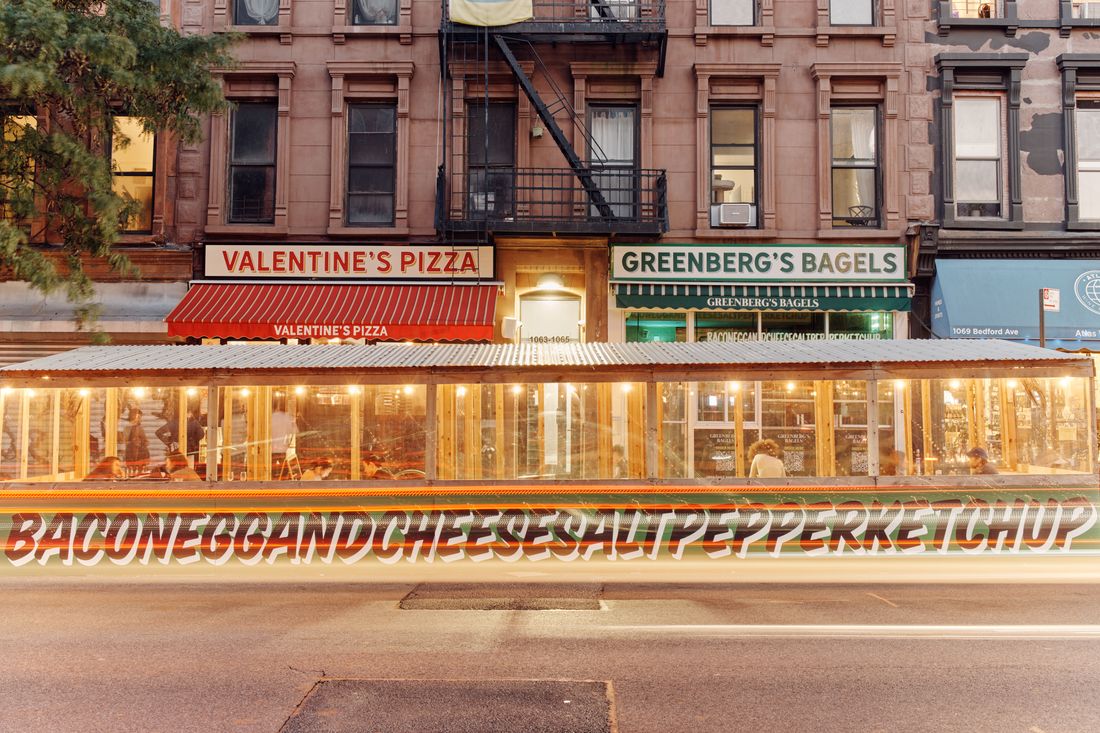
(850, 428)
(864, 326)
(793, 326)
(787, 417)
(725, 326)
(648, 327)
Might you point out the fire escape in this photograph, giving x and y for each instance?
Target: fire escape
(484, 185)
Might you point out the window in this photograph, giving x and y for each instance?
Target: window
(613, 156)
(1087, 10)
(252, 163)
(16, 177)
(491, 159)
(256, 12)
(977, 9)
(851, 12)
(855, 166)
(372, 160)
(132, 170)
(1088, 159)
(733, 157)
(733, 12)
(374, 12)
(978, 170)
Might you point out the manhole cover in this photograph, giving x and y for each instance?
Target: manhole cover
(507, 597)
(426, 706)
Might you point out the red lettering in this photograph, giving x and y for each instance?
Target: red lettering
(408, 259)
(230, 259)
(359, 261)
(433, 263)
(278, 261)
(451, 257)
(384, 264)
(340, 261)
(261, 258)
(297, 261)
(469, 264)
(246, 261)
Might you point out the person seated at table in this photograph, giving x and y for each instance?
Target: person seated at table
(979, 462)
(766, 462)
(179, 469)
(372, 467)
(108, 469)
(319, 471)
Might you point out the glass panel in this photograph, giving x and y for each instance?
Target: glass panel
(497, 147)
(733, 127)
(366, 148)
(370, 180)
(252, 193)
(1088, 133)
(131, 147)
(613, 132)
(371, 118)
(256, 12)
(649, 327)
(374, 12)
(787, 418)
(253, 133)
(787, 326)
(977, 9)
(853, 134)
(370, 208)
(977, 181)
(862, 326)
(850, 428)
(139, 188)
(392, 423)
(732, 12)
(672, 453)
(977, 127)
(851, 12)
(14, 125)
(490, 191)
(854, 196)
(619, 189)
(734, 186)
(725, 326)
(1088, 194)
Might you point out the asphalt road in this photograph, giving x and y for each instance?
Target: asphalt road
(96, 654)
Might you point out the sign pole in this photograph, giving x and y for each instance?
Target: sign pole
(1042, 320)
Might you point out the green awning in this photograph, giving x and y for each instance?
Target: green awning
(764, 297)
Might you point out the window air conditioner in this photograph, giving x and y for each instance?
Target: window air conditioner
(733, 215)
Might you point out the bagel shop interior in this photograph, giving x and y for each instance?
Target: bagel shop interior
(686, 413)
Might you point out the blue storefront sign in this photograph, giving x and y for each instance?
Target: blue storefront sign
(1000, 299)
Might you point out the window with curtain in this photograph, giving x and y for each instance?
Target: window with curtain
(372, 163)
(613, 156)
(732, 12)
(979, 181)
(491, 158)
(733, 155)
(851, 12)
(132, 152)
(252, 128)
(1088, 159)
(374, 12)
(256, 12)
(855, 166)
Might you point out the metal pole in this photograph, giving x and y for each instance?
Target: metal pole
(1042, 322)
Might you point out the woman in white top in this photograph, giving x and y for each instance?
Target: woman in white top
(765, 460)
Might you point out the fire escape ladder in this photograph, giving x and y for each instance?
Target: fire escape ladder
(546, 114)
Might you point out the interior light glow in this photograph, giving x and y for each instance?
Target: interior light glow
(461, 391)
(408, 389)
(1011, 384)
(299, 391)
(516, 389)
(138, 392)
(245, 391)
(191, 391)
(627, 386)
(954, 384)
(83, 392)
(353, 389)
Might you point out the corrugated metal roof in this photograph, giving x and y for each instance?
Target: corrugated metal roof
(166, 360)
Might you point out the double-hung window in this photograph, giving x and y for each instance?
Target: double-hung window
(977, 8)
(372, 163)
(851, 12)
(979, 169)
(132, 153)
(491, 159)
(733, 12)
(614, 155)
(856, 174)
(373, 12)
(1088, 159)
(733, 155)
(256, 12)
(252, 148)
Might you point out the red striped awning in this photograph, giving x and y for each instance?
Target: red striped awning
(302, 310)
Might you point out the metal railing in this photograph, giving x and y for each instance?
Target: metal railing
(553, 199)
(636, 13)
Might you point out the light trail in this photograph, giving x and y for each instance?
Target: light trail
(903, 631)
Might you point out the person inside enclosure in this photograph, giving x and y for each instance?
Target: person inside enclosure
(179, 469)
(618, 461)
(319, 472)
(979, 462)
(108, 469)
(765, 460)
(137, 445)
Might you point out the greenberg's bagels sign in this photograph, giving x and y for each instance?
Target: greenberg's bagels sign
(777, 263)
(349, 261)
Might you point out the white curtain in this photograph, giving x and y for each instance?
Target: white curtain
(613, 131)
(376, 11)
(262, 11)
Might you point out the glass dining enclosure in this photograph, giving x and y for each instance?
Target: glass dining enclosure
(548, 413)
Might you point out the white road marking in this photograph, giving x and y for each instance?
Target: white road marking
(933, 631)
(889, 603)
(1036, 729)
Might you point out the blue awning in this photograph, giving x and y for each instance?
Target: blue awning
(1000, 299)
